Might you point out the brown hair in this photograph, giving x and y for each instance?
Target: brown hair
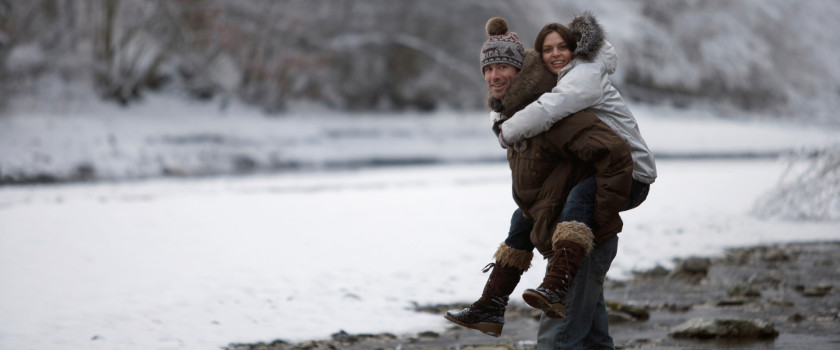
(558, 28)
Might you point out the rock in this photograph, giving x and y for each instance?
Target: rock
(704, 328)
(655, 272)
(742, 290)
(310, 345)
(780, 302)
(634, 344)
(818, 291)
(769, 279)
(616, 317)
(275, 345)
(676, 307)
(365, 338)
(344, 337)
(775, 255)
(797, 317)
(636, 312)
(693, 268)
(429, 334)
(737, 257)
(732, 301)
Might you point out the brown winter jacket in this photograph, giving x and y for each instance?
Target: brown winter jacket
(553, 162)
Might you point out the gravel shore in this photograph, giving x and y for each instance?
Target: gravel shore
(766, 297)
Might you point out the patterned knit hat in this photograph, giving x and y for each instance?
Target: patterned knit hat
(502, 46)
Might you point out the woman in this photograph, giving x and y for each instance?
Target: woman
(582, 60)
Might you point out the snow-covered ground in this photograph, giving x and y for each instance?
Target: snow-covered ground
(198, 263)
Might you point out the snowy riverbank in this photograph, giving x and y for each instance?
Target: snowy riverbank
(167, 136)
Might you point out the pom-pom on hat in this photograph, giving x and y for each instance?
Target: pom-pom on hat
(501, 46)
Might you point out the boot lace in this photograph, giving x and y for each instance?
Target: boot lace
(560, 271)
(489, 300)
(488, 267)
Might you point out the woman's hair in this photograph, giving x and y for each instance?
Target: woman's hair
(558, 28)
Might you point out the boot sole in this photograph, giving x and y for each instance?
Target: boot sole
(491, 329)
(537, 301)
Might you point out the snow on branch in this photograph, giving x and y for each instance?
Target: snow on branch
(808, 190)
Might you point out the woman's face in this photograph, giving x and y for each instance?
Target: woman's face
(555, 53)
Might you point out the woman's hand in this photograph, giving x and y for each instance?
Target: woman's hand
(518, 146)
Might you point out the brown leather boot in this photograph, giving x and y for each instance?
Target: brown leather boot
(572, 241)
(487, 314)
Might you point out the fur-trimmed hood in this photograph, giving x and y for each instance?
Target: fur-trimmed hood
(530, 83)
(589, 36)
(592, 45)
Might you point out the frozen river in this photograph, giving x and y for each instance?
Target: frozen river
(200, 263)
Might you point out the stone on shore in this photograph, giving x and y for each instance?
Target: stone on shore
(693, 268)
(620, 311)
(704, 328)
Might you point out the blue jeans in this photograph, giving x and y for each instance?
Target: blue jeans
(519, 236)
(585, 324)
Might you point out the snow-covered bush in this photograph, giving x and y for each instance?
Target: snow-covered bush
(808, 190)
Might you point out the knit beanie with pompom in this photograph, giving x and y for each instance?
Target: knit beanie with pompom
(502, 46)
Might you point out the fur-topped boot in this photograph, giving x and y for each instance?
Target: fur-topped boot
(572, 241)
(487, 314)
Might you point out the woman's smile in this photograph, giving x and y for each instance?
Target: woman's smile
(555, 54)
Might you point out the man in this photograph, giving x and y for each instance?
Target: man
(544, 169)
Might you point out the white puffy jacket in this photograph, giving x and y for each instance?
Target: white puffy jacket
(585, 85)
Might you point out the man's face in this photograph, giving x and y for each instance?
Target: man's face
(499, 76)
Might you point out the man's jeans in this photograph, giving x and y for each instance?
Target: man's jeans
(585, 324)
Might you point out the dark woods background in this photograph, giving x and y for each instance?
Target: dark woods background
(771, 57)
